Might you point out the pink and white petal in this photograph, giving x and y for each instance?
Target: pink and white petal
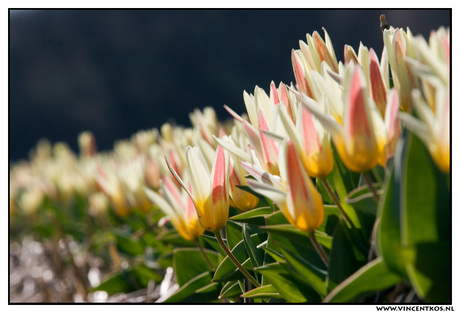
(262, 101)
(199, 175)
(177, 177)
(219, 177)
(228, 145)
(251, 108)
(274, 98)
(270, 148)
(159, 201)
(378, 89)
(327, 121)
(299, 73)
(272, 193)
(392, 123)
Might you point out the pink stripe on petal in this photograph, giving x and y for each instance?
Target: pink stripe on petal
(393, 121)
(377, 85)
(358, 119)
(233, 114)
(274, 94)
(284, 97)
(190, 210)
(219, 184)
(171, 187)
(268, 144)
(254, 139)
(300, 75)
(311, 140)
(349, 55)
(296, 181)
(323, 52)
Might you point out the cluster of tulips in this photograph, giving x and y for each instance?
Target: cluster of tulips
(332, 189)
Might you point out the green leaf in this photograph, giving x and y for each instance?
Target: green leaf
(289, 237)
(144, 274)
(234, 233)
(187, 293)
(130, 280)
(290, 289)
(256, 255)
(227, 270)
(277, 256)
(425, 221)
(345, 181)
(262, 292)
(373, 277)
(429, 271)
(345, 257)
(388, 239)
(362, 200)
(212, 241)
(255, 216)
(231, 289)
(322, 190)
(331, 218)
(128, 245)
(304, 271)
(189, 262)
(116, 283)
(292, 233)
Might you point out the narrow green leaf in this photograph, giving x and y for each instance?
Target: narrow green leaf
(290, 289)
(373, 277)
(227, 270)
(189, 262)
(263, 292)
(255, 216)
(187, 292)
(388, 240)
(128, 245)
(362, 199)
(130, 280)
(256, 255)
(345, 257)
(231, 289)
(292, 233)
(343, 187)
(212, 241)
(281, 233)
(306, 272)
(234, 233)
(425, 222)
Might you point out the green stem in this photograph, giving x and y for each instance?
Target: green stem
(205, 257)
(319, 248)
(337, 202)
(235, 261)
(368, 180)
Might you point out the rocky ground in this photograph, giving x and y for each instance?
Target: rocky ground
(39, 275)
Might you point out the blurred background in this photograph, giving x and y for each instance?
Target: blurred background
(115, 72)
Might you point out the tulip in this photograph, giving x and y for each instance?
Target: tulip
(238, 197)
(355, 140)
(432, 128)
(178, 207)
(311, 141)
(296, 196)
(209, 189)
(111, 185)
(399, 46)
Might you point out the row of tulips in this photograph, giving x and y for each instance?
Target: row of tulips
(335, 189)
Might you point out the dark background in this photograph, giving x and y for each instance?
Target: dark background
(115, 72)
